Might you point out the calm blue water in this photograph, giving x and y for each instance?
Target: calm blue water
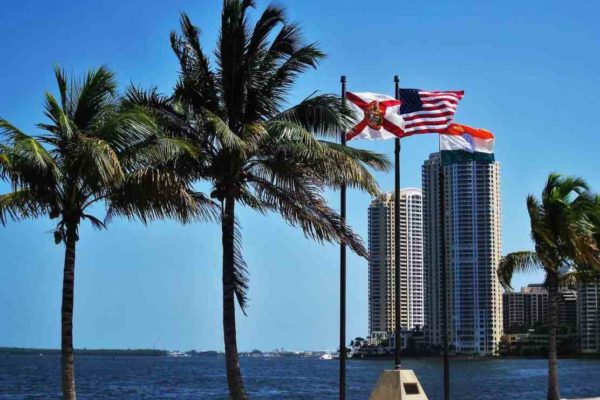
(27, 377)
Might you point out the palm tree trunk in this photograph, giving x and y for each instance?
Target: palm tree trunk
(67, 359)
(232, 362)
(553, 298)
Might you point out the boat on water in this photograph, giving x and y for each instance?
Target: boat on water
(177, 354)
(335, 356)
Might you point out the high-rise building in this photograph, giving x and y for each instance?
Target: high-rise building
(588, 317)
(382, 275)
(473, 249)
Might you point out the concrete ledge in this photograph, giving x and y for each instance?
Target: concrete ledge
(398, 384)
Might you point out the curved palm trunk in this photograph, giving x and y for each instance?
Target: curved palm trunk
(67, 359)
(553, 298)
(234, 374)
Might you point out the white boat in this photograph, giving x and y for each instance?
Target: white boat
(326, 356)
(177, 354)
(336, 355)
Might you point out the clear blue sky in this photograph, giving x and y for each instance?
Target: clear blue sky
(530, 72)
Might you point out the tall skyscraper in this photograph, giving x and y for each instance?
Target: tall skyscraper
(588, 317)
(382, 316)
(473, 250)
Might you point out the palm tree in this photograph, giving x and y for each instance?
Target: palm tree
(252, 149)
(562, 235)
(93, 150)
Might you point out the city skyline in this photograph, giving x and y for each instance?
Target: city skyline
(159, 286)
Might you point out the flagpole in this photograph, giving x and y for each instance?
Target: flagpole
(342, 383)
(398, 339)
(443, 262)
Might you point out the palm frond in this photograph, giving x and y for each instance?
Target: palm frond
(594, 216)
(286, 43)
(324, 163)
(232, 42)
(19, 205)
(62, 127)
(61, 81)
(302, 206)
(276, 84)
(540, 232)
(240, 270)
(227, 138)
(322, 115)
(26, 150)
(125, 128)
(582, 275)
(163, 150)
(4, 162)
(270, 18)
(197, 81)
(376, 161)
(520, 261)
(150, 193)
(570, 184)
(92, 95)
(99, 160)
(96, 223)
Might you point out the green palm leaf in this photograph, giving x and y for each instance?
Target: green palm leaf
(521, 261)
(19, 205)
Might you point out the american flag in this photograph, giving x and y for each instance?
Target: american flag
(426, 111)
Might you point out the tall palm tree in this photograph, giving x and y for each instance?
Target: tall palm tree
(252, 148)
(93, 150)
(562, 234)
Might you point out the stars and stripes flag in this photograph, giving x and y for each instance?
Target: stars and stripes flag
(428, 111)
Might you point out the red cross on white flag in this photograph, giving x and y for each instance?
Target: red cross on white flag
(377, 116)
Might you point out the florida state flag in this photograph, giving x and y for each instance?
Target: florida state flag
(377, 116)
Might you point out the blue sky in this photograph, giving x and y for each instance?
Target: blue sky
(530, 74)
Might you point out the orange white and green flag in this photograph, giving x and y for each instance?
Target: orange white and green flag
(461, 143)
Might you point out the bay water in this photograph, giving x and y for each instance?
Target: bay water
(270, 378)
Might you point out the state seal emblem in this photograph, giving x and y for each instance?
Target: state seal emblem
(374, 115)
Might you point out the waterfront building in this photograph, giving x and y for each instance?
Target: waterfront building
(382, 316)
(588, 317)
(473, 248)
(525, 309)
(513, 310)
(529, 308)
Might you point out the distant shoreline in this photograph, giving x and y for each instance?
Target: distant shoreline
(90, 352)
(17, 351)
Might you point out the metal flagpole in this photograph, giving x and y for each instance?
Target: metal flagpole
(397, 233)
(442, 188)
(343, 271)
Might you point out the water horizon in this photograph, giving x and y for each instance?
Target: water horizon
(269, 378)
